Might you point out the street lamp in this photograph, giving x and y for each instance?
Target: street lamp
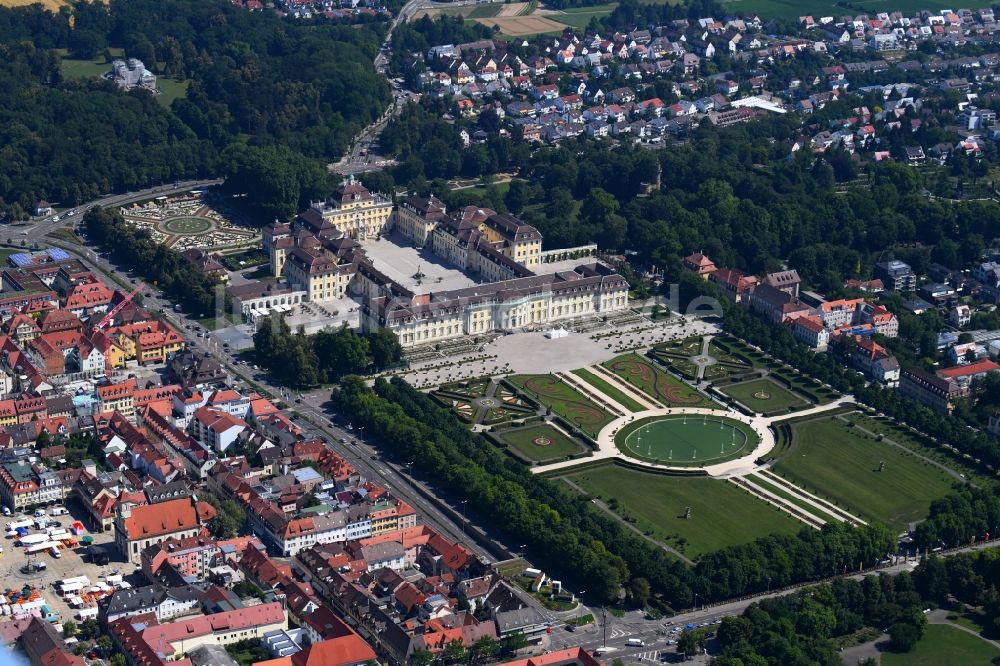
(463, 503)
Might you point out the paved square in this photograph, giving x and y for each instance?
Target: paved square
(396, 257)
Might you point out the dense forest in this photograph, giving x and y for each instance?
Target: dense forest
(302, 360)
(290, 93)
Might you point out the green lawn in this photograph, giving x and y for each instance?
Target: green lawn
(170, 90)
(776, 9)
(942, 645)
(579, 17)
(565, 401)
(638, 372)
(86, 69)
(841, 463)
(752, 395)
(524, 440)
(721, 514)
(607, 389)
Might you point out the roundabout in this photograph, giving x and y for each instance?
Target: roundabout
(686, 440)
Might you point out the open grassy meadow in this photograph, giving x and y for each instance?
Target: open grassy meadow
(833, 460)
(607, 389)
(942, 644)
(721, 514)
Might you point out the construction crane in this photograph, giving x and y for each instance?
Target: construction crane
(108, 318)
(118, 308)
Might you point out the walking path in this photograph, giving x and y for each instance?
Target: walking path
(590, 391)
(604, 507)
(607, 450)
(940, 616)
(624, 387)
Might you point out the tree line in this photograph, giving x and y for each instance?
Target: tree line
(163, 267)
(560, 526)
(801, 628)
(308, 360)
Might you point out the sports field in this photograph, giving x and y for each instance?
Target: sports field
(540, 443)
(686, 440)
(941, 645)
(565, 401)
(777, 9)
(721, 514)
(644, 375)
(840, 463)
(763, 395)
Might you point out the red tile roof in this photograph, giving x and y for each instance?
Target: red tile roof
(161, 519)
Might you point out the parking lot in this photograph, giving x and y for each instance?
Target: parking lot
(71, 563)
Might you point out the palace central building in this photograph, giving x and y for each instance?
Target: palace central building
(320, 257)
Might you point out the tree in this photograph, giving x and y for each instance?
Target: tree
(484, 649)
(89, 629)
(118, 659)
(639, 590)
(104, 643)
(454, 652)
(385, 348)
(513, 643)
(903, 636)
(69, 628)
(691, 642)
(421, 658)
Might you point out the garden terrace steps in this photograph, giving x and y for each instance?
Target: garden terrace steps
(807, 497)
(778, 502)
(592, 392)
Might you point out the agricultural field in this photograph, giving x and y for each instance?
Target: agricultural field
(642, 374)
(833, 460)
(540, 443)
(763, 395)
(468, 11)
(579, 17)
(721, 514)
(943, 644)
(565, 401)
(785, 9)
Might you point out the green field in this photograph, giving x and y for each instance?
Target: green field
(942, 645)
(579, 17)
(524, 440)
(721, 514)
(170, 90)
(841, 463)
(478, 11)
(638, 372)
(752, 395)
(776, 9)
(565, 401)
(686, 440)
(607, 389)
